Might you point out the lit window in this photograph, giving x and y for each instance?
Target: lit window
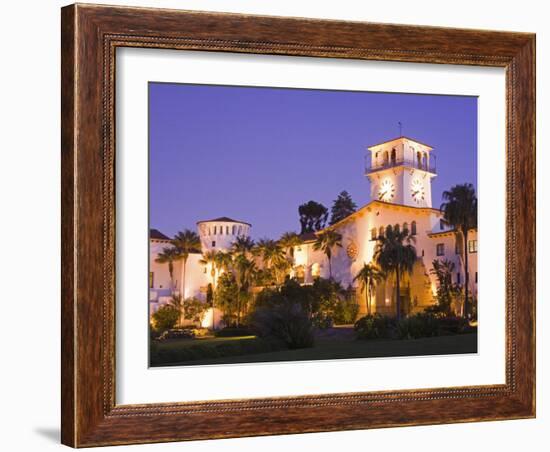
(316, 270)
(472, 246)
(381, 231)
(151, 279)
(440, 249)
(373, 234)
(413, 228)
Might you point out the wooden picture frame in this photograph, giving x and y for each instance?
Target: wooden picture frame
(90, 36)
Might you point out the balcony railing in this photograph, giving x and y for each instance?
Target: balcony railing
(371, 168)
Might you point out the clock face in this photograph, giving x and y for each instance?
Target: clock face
(386, 191)
(417, 191)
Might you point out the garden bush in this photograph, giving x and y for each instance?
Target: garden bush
(172, 354)
(234, 332)
(183, 333)
(453, 325)
(345, 312)
(165, 318)
(287, 322)
(375, 326)
(418, 325)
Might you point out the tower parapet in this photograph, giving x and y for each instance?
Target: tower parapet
(400, 171)
(219, 234)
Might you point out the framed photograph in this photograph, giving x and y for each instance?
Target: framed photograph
(282, 225)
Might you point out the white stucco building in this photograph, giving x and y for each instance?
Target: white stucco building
(400, 172)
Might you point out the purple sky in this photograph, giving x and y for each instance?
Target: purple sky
(255, 154)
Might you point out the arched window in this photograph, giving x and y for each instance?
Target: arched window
(233, 228)
(215, 230)
(418, 160)
(240, 230)
(425, 161)
(227, 230)
(406, 228)
(389, 229)
(396, 228)
(381, 231)
(299, 273)
(393, 156)
(386, 158)
(413, 228)
(316, 270)
(373, 234)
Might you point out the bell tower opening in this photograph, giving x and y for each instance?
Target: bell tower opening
(400, 171)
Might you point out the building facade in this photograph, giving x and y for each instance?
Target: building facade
(400, 172)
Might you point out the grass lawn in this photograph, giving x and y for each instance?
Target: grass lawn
(327, 347)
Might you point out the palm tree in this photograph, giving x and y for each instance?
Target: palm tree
(210, 257)
(288, 241)
(242, 245)
(185, 242)
(177, 302)
(460, 211)
(369, 276)
(326, 242)
(245, 270)
(270, 251)
(168, 255)
(395, 254)
(224, 261)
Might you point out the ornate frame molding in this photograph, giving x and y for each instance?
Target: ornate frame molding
(90, 37)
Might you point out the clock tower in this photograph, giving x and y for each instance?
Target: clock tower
(400, 172)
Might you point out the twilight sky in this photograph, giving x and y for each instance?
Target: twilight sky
(256, 154)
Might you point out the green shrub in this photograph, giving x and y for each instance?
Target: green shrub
(417, 326)
(453, 325)
(234, 332)
(287, 322)
(165, 318)
(322, 321)
(375, 326)
(177, 333)
(345, 312)
(194, 309)
(170, 353)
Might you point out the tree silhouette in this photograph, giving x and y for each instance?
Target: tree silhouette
(342, 207)
(313, 216)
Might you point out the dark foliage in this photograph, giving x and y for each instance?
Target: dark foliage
(418, 325)
(375, 326)
(342, 207)
(234, 332)
(161, 354)
(313, 216)
(287, 322)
